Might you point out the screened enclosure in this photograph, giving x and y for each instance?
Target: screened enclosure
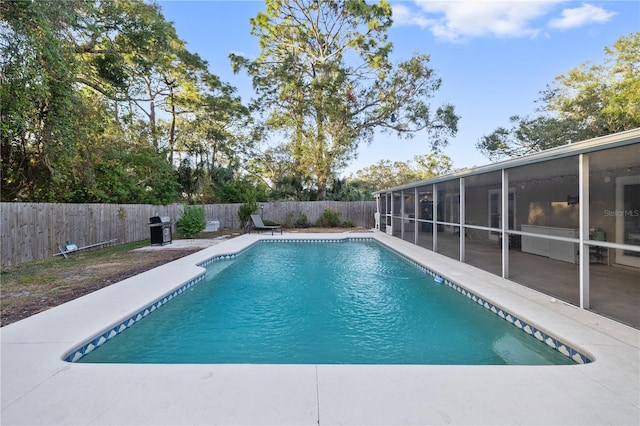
(565, 221)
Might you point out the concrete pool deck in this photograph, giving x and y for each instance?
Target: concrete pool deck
(38, 387)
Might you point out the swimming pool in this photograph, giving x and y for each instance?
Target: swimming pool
(40, 386)
(288, 303)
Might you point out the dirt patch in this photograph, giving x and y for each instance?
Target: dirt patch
(25, 293)
(33, 287)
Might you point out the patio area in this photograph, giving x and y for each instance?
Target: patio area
(615, 290)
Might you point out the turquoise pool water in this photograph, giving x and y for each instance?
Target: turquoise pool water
(323, 303)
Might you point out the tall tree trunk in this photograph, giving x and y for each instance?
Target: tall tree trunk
(319, 159)
(152, 117)
(172, 129)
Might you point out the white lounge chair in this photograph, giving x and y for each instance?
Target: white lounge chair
(260, 226)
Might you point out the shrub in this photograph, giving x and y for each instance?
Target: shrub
(291, 221)
(329, 219)
(347, 224)
(245, 211)
(302, 221)
(191, 221)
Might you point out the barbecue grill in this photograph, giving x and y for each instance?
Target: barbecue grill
(160, 230)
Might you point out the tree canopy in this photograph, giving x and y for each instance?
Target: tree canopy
(325, 84)
(101, 101)
(591, 100)
(387, 174)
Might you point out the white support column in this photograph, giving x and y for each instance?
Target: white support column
(376, 224)
(435, 217)
(504, 215)
(416, 215)
(462, 221)
(583, 200)
(402, 210)
(391, 211)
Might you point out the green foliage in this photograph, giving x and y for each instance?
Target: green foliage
(589, 101)
(102, 102)
(191, 221)
(386, 174)
(348, 190)
(302, 221)
(327, 105)
(347, 224)
(296, 220)
(601, 98)
(218, 184)
(245, 211)
(329, 219)
(37, 100)
(235, 190)
(529, 135)
(74, 127)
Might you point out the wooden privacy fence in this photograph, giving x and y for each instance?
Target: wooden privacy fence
(32, 231)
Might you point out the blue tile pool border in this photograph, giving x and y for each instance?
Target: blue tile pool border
(551, 341)
(523, 325)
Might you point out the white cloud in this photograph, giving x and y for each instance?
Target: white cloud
(457, 20)
(577, 17)
(403, 16)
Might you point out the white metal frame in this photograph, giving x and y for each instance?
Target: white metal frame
(620, 212)
(581, 151)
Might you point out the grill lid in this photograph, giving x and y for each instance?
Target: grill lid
(160, 219)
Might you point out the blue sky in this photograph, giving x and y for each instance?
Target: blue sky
(494, 57)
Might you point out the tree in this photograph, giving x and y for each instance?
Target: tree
(213, 123)
(387, 174)
(36, 99)
(83, 83)
(589, 101)
(432, 165)
(602, 99)
(529, 135)
(348, 190)
(325, 81)
(276, 168)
